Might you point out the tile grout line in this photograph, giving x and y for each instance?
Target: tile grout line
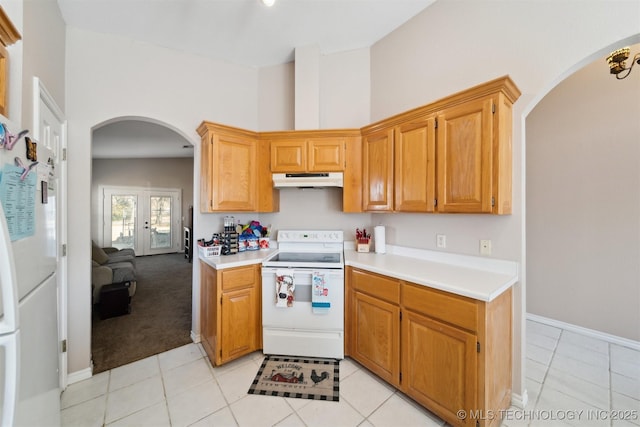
(546, 372)
(164, 389)
(610, 384)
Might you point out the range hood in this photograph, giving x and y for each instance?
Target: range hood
(308, 180)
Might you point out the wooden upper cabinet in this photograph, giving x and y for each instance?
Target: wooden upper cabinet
(326, 155)
(289, 156)
(451, 156)
(308, 155)
(233, 171)
(399, 168)
(415, 167)
(8, 36)
(465, 135)
(331, 150)
(377, 170)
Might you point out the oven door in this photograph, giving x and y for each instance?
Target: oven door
(311, 326)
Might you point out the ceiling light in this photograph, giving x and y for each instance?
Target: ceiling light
(616, 61)
(268, 3)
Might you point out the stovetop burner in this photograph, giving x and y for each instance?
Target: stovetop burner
(331, 257)
(308, 249)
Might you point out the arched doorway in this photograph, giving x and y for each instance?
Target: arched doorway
(143, 155)
(583, 204)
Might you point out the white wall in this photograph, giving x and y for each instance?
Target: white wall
(583, 202)
(276, 97)
(314, 209)
(110, 77)
(345, 89)
(44, 51)
(453, 45)
(40, 53)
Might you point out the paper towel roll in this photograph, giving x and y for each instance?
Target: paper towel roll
(379, 239)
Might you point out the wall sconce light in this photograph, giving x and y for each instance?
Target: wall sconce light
(616, 61)
(268, 3)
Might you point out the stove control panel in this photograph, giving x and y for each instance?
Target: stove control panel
(311, 236)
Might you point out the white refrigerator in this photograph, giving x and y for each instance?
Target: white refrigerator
(29, 342)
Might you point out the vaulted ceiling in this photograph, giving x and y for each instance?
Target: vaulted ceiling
(244, 32)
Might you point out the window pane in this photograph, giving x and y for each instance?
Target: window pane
(123, 221)
(160, 222)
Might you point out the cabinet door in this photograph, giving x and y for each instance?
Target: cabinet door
(377, 171)
(376, 327)
(415, 169)
(289, 155)
(208, 309)
(206, 173)
(326, 155)
(239, 313)
(352, 190)
(233, 173)
(439, 366)
(465, 136)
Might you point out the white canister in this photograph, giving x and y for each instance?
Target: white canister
(379, 239)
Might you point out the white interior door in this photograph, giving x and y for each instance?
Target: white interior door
(146, 220)
(50, 129)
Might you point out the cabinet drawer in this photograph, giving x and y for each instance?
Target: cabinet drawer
(450, 308)
(237, 278)
(385, 288)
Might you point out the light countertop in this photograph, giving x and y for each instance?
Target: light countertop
(479, 278)
(240, 259)
(474, 277)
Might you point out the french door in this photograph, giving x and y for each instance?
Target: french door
(146, 220)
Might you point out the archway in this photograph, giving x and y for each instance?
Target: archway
(145, 155)
(582, 231)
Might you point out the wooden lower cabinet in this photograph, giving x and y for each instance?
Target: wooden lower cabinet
(447, 352)
(238, 317)
(208, 310)
(230, 312)
(439, 366)
(377, 336)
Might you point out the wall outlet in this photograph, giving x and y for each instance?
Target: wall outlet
(441, 240)
(485, 247)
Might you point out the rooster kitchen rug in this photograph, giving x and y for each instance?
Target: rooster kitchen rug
(299, 377)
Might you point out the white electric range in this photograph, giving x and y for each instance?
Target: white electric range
(303, 295)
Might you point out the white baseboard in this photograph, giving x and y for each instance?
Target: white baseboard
(520, 401)
(195, 337)
(612, 339)
(76, 377)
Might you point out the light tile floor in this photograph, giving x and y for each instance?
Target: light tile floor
(571, 380)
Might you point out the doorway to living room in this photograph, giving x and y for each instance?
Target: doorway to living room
(148, 166)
